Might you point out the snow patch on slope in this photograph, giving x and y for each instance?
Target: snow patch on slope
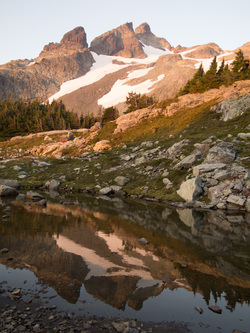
(120, 90)
(104, 65)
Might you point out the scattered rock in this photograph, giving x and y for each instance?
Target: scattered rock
(48, 138)
(102, 145)
(200, 310)
(96, 127)
(119, 327)
(224, 152)
(121, 180)
(52, 185)
(167, 182)
(4, 250)
(198, 170)
(244, 136)
(10, 182)
(215, 192)
(191, 189)
(215, 309)
(188, 161)
(183, 265)
(6, 191)
(176, 148)
(237, 200)
(143, 241)
(34, 196)
(17, 168)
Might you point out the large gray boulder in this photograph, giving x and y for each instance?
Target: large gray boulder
(224, 152)
(233, 108)
(188, 161)
(207, 168)
(10, 182)
(217, 191)
(191, 189)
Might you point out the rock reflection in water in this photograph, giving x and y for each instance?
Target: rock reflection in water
(95, 244)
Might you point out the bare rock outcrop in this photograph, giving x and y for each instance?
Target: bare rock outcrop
(74, 40)
(121, 41)
(240, 89)
(204, 51)
(232, 108)
(145, 35)
(57, 63)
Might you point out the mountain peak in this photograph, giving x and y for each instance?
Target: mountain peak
(77, 36)
(144, 28)
(145, 35)
(121, 41)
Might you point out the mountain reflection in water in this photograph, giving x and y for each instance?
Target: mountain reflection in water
(95, 244)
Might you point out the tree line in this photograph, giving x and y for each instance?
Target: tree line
(21, 117)
(215, 77)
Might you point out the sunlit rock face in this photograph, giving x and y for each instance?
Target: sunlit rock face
(121, 41)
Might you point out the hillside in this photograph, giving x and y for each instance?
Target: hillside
(87, 78)
(194, 150)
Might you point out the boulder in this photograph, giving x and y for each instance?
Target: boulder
(167, 182)
(9, 182)
(140, 160)
(102, 145)
(221, 175)
(110, 190)
(205, 168)
(17, 168)
(6, 191)
(34, 196)
(121, 180)
(244, 136)
(96, 127)
(224, 152)
(233, 108)
(191, 189)
(52, 185)
(189, 160)
(215, 309)
(70, 136)
(176, 148)
(215, 192)
(237, 200)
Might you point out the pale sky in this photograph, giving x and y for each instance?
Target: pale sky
(27, 25)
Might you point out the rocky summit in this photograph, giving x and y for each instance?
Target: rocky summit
(86, 77)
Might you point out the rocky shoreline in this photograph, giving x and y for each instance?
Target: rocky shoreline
(17, 315)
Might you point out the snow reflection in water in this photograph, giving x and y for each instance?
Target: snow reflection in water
(90, 252)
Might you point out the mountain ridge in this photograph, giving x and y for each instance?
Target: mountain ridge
(166, 68)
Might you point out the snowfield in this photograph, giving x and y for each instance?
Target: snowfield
(104, 65)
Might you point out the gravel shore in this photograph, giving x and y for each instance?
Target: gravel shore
(17, 315)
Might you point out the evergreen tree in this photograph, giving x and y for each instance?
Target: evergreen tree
(138, 101)
(109, 114)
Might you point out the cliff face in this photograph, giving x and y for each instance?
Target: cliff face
(144, 34)
(57, 63)
(120, 42)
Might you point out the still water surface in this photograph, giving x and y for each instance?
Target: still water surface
(89, 255)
